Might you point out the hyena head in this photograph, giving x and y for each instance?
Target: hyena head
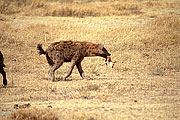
(97, 50)
(102, 51)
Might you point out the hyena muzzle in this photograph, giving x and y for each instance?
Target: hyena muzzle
(2, 65)
(70, 51)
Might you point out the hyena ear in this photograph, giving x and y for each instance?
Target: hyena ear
(101, 46)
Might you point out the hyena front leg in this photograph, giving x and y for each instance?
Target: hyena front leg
(81, 72)
(49, 72)
(77, 58)
(72, 64)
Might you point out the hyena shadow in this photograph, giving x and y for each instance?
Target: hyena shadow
(58, 79)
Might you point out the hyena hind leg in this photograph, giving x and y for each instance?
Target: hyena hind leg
(53, 69)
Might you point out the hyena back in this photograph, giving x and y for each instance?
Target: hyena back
(70, 51)
(2, 65)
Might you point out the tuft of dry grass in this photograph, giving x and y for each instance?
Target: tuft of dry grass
(33, 114)
(169, 22)
(127, 8)
(72, 10)
(164, 4)
(37, 3)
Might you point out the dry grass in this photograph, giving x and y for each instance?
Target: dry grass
(49, 114)
(33, 114)
(169, 22)
(142, 36)
(80, 8)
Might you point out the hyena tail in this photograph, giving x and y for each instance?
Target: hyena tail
(41, 51)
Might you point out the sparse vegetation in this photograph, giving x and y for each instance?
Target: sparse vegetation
(69, 8)
(88, 88)
(157, 72)
(142, 36)
(33, 114)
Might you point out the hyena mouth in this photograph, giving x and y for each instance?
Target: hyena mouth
(108, 61)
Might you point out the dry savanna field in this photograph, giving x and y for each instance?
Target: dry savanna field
(143, 37)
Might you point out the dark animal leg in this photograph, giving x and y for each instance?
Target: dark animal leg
(4, 77)
(81, 72)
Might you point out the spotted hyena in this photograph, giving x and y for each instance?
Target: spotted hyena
(73, 52)
(2, 65)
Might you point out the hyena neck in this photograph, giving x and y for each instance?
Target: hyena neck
(92, 50)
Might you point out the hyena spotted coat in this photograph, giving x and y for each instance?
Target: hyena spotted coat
(73, 52)
(2, 65)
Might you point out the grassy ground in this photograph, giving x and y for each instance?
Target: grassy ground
(142, 36)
